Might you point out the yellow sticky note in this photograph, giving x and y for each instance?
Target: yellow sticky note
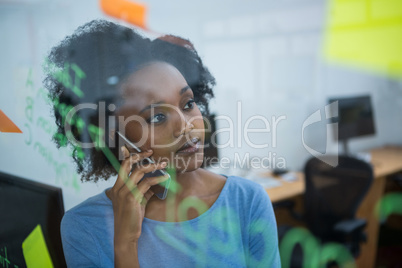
(366, 34)
(35, 250)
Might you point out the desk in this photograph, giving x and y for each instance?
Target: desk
(385, 161)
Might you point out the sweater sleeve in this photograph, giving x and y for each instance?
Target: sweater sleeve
(79, 247)
(263, 236)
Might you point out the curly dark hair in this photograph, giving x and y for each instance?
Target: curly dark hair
(88, 66)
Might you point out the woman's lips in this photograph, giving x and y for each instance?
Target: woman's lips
(194, 146)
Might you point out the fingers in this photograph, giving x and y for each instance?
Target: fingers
(126, 165)
(147, 183)
(148, 194)
(141, 170)
(129, 184)
(142, 193)
(146, 197)
(135, 158)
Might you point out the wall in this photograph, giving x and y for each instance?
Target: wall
(265, 55)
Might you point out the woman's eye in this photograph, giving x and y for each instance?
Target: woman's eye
(157, 118)
(189, 105)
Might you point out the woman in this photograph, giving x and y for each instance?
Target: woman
(152, 93)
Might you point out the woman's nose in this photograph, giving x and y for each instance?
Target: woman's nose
(184, 128)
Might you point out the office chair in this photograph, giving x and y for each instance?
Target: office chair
(397, 179)
(331, 199)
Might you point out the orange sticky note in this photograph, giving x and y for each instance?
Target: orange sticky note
(6, 125)
(129, 11)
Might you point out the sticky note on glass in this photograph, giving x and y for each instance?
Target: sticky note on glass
(6, 125)
(35, 250)
(366, 34)
(132, 12)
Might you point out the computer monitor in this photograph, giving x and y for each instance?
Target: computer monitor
(355, 118)
(23, 205)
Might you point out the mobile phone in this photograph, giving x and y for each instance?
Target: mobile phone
(160, 190)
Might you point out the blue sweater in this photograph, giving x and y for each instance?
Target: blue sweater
(239, 230)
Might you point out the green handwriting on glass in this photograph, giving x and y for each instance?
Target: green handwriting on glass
(63, 76)
(314, 254)
(4, 261)
(62, 172)
(389, 204)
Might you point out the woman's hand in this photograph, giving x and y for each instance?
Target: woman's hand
(130, 196)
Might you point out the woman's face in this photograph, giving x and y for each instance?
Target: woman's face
(160, 114)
